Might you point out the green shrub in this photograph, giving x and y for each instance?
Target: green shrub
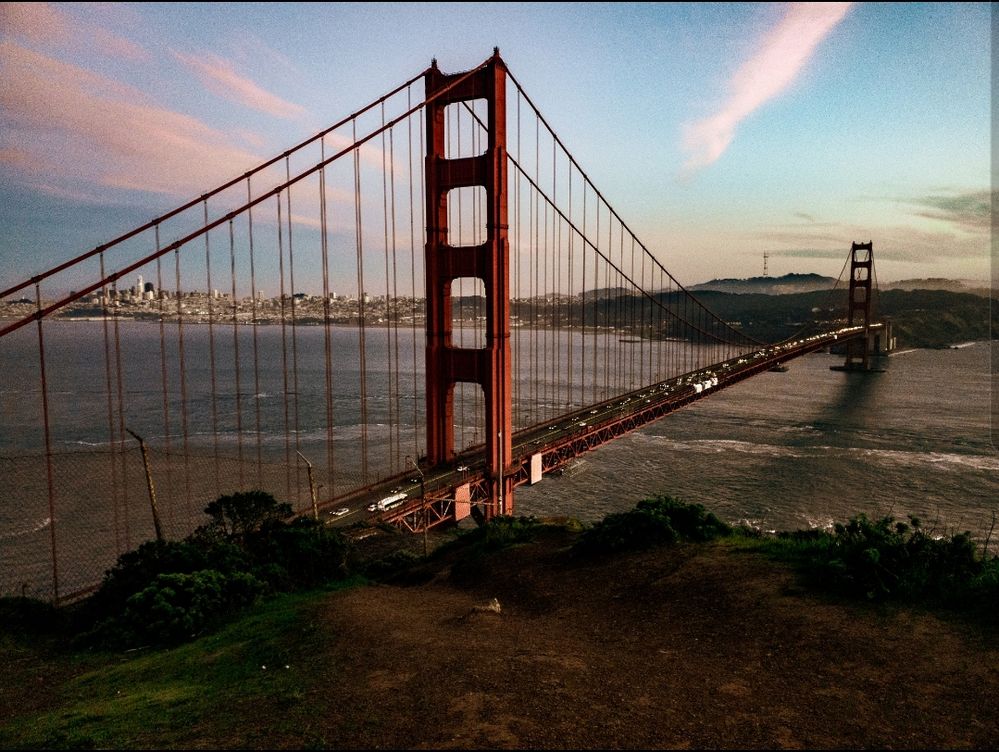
(177, 607)
(659, 521)
(391, 564)
(138, 569)
(166, 590)
(300, 554)
(885, 559)
(498, 533)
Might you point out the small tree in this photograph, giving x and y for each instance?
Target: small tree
(246, 512)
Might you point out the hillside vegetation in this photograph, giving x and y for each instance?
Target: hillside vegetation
(655, 628)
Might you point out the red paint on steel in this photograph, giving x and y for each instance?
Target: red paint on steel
(489, 261)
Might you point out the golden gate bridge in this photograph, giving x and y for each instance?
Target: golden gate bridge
(482, 316)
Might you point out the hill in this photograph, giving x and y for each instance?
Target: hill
(786, 285)
(939, 283)
(696, 646)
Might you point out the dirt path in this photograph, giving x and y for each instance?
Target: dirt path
(701, 646)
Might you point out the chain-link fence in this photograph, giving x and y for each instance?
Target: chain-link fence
(56, 545)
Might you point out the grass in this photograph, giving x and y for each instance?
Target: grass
(263, 678)
(239, 687)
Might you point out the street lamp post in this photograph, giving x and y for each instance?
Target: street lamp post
(423, 501)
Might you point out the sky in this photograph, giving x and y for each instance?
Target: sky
(719, 132)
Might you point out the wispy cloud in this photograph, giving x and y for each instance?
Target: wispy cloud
(968, 211)
(79, 131)
(47, 24)
(782, 56)
(891, 243)
(219, 75)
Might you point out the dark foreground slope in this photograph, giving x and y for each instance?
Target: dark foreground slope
(709, 645)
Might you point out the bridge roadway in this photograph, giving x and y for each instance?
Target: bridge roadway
(560, 441)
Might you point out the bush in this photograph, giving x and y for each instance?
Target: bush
(164, 591)
(136, 570)
(659, 521)
(499, 532)
(177, 607)
(886, 559)
(391, 564)
(300, 554)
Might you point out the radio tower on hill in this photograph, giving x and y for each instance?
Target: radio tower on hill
(765, 257)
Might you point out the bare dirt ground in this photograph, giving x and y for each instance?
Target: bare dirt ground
(701, 646)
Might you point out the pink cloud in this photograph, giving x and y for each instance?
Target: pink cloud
(74, 129)
(219, 76)
(782, 56)
(45, 24)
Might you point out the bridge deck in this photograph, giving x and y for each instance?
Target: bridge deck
(573, 434)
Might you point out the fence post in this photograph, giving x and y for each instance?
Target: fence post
(149, 485)
(312, 486)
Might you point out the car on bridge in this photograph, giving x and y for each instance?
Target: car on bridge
(389, 502)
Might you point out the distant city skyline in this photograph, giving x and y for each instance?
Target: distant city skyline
(718, 132)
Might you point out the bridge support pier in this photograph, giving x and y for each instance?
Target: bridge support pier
(446, 364)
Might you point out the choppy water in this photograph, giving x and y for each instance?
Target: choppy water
(780, 451)
(812, 446)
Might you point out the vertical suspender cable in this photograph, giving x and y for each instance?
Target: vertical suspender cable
(394, 318)
(412, 269)
(107, 374)
(211, 350)
(163, 375)
(256, 350)
(423, 226)
(517, 354)
(388, 296)
(235, 353)
(360, 307)
(284, 350)
(294, 332)
(48, 445)
(327, 349)
(582, 311)
(121, 427)
(570, 232)
(183, 393)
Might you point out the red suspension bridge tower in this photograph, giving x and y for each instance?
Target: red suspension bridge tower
(446, 365)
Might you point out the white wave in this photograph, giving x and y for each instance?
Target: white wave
(27, 530)
(825, 523)
(718, 446)
(940, 460)
(755, 525)
(903, 352)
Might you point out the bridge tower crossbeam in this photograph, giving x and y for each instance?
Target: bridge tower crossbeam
(446, 365)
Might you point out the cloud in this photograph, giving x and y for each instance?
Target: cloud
(68, 129)
(891, 243)
(968, 211)
(46, 24)
(807, 217)
(219, 76)
(782, 56)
